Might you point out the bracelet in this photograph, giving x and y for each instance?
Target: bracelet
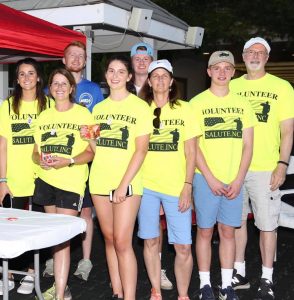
(283, 162)
(188, 182)
(3, 180)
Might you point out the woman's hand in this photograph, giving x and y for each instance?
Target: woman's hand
(4, 190)
(120, 194)
(58, 162)
(185, 199)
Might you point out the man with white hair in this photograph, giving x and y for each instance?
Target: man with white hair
(272, 101)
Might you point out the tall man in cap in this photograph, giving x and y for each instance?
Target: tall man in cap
(272, 100)
(224, 153)
(142, 56)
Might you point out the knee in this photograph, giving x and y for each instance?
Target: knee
(205, 234)
(151, 244)
(121, 245)
(183, 251)
(108, 238)
(227, 232)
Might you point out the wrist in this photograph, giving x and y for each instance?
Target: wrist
(282, 162)
(71, 162)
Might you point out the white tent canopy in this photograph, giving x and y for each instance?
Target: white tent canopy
(106, 23)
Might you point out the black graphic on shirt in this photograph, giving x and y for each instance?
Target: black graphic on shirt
(71, 140)
(239, 124)
(17, 127)
(104, 126)
(63, 143)
(263, 116)
(45, 136)
(124, 133)
(165, 140)
(213, 121)
(223, 129)
(156, 131)
(26, 136)
(114, 136)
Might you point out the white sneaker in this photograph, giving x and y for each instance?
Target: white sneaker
(26, 285)
(84, 268)
(48, 272)
(10, 286)
(165, 283)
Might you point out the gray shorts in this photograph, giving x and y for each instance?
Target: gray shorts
(265, 204)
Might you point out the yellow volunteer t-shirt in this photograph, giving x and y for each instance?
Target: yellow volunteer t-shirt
(222, 120)
(164, 168)
(272, 100)
(121, 122)
(58, 133)
(18, 131)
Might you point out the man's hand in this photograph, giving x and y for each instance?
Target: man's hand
(278, 176)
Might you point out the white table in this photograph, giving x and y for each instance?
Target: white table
(22, 230)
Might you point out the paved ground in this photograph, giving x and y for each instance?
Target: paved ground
(97, 286)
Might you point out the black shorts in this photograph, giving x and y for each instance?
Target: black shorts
(48, 195)
(21, 203)
(87, 197)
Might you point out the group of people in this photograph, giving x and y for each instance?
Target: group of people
(154, 153)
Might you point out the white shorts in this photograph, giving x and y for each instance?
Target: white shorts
(265, 204)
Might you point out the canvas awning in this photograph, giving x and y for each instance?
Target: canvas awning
(23, 35)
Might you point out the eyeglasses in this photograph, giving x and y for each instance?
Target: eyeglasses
(257, 53)
(156, 120)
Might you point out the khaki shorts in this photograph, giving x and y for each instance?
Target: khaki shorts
(265, 204)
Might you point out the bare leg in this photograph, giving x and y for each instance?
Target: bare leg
(268, 244)
(124, 217)
(226, 246)
(183, 268)
(160, 237)
(105, 217)
(203, 248)
(61, 255)
(152, 262)
(241, 242)
(86, 214)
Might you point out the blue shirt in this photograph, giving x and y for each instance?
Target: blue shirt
(88, 94)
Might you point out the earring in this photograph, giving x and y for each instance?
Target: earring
(170, 88)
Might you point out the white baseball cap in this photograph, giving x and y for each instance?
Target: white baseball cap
(257, 40)
(162, 63)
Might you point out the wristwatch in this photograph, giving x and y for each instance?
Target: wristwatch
(72, 162)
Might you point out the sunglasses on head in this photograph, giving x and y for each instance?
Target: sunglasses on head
(156, 120)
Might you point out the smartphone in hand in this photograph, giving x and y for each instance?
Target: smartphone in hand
(129, 192)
